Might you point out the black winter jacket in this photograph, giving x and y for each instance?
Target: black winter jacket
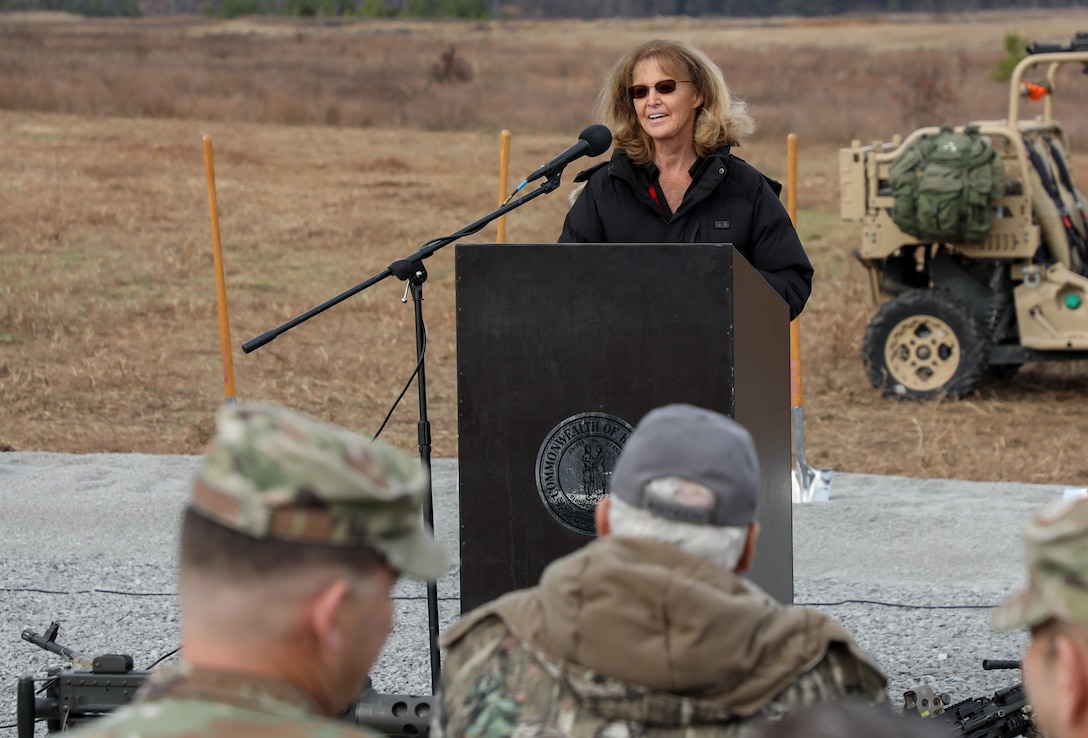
(729, 201)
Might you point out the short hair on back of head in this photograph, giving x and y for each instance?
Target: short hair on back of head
(217, 552)
(723, 545)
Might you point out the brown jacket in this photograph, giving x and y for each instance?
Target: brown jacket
(632, 633)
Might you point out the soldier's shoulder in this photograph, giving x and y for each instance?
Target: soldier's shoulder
(138, 719)
(196, 718)
(842, 672)
(474, 650)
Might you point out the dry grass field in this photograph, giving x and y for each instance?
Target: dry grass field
(343, 145)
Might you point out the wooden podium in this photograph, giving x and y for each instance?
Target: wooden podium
(562, 348)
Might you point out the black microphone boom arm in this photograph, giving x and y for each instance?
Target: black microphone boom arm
(411, 270)
(398, 267)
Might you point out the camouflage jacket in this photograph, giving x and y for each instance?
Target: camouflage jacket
(186, 702)
(629, 637)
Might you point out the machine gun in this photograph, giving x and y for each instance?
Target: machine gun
(1079, 42)
(88, 688)
(1004, 715)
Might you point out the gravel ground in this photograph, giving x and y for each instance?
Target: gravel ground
(909, 566)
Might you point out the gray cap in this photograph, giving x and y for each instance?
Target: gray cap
(696, 444)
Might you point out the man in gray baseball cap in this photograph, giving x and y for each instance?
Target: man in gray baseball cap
(649, 629)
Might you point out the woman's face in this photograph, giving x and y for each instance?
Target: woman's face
(665, 116)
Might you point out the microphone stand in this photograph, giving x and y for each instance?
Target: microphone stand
(411, 270)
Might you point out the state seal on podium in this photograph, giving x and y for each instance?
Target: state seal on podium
(574, 467)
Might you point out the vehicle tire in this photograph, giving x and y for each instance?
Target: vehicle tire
(925, 344)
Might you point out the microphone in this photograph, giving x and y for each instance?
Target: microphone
(593, 141)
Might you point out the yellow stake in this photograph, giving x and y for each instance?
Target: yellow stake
(220, 281)
(796, 398)
(809, 485)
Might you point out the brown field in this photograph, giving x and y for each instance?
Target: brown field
(343, 145)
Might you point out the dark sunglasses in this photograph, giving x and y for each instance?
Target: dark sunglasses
(664, 87)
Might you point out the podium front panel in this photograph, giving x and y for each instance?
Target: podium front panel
(561, 348)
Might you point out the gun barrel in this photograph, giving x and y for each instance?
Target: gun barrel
(1036, 47)
(1079, 42)
(53, 647)
(41, 642)
(394, 715)
(992, 664)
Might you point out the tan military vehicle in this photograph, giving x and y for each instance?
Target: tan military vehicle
(952, 312)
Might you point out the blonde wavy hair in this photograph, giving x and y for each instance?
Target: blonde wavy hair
(721, 121)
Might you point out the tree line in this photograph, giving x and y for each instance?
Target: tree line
(509, 9)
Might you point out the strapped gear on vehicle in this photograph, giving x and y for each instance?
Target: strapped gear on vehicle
(945, 186)
(1059, 209)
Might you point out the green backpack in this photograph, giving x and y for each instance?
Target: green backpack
(945, 185)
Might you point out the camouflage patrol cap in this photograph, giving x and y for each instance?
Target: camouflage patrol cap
(1056, 551)
(274, 473)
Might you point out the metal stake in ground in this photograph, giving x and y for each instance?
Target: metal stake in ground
(808, 484)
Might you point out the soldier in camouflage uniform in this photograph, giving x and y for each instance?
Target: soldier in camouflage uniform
(1055, 607)
(294, 535)
(649, 630)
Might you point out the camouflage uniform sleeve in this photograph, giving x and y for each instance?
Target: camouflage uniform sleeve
(463, 666)
(839, 674)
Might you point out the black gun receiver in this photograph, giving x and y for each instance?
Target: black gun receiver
(1004, 715)
(96, 686)
(1077, 43)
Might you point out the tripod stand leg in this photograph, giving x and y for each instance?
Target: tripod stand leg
(416, 280)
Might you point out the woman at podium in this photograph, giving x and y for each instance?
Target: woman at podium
(672, 177)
